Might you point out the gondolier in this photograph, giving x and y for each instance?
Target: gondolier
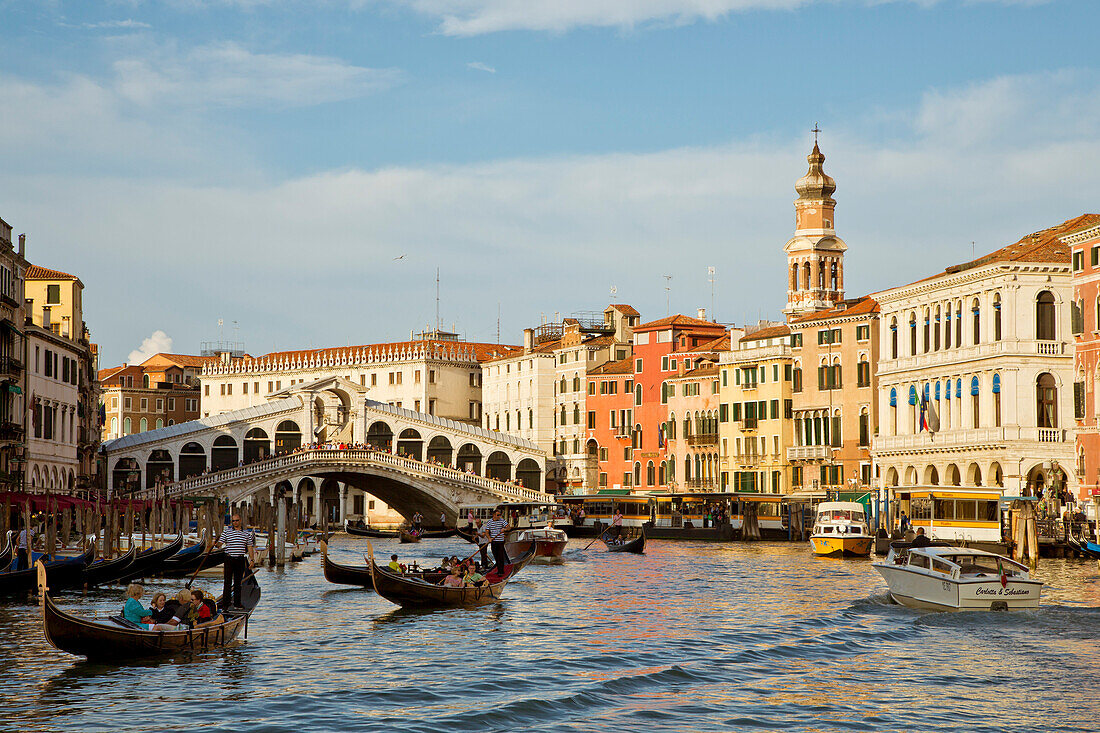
(495, 531)
(240, 548)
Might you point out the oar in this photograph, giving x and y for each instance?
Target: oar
(598, 537)
(205, 557)
(491, 540)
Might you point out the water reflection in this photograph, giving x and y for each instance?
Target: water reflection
(687, 637)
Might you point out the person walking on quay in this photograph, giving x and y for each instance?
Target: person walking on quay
(495, 531)
(240, 550)
(903, 523)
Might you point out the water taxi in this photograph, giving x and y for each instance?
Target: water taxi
(840, 528)
(944, 578)
(548, 543)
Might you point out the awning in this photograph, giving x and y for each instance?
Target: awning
(13, 388)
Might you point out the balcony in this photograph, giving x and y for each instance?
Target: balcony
(969, 438)
(953, 355)
(704, 484)
(11, 365)
(1051, 435)
(1050, 348)
(749, 423)
(809, 452)
(703, 439)
(10, 430)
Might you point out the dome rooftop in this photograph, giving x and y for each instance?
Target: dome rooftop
(815, 185)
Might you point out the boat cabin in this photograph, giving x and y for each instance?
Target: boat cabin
(531, 514)
(954, 514)
(957, 563)
(841, 517)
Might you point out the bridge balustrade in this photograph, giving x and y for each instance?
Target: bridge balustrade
(328, 456)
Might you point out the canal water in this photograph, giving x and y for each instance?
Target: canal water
(689, 637)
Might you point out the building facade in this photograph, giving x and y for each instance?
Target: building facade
(63, 430)
(835, 399)
(976, 371)
(435, 373)
(755, 421)
(161, 391)
(1085, 323)
(12, 361)
(609, 435)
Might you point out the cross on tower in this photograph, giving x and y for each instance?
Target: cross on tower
(815, 131)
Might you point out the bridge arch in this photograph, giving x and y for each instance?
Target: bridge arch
(192, 460)
(257, 446)
(159, 466)
(528, 474)
(126, 476)
(469, 458)
(380, 435)
(224, 454)
(288, 437)
(499, 466)
(440, 451)
(410, 444)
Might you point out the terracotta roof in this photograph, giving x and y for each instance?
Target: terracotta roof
(863, 306)
(622, 366)
(184, 360)
(767, 333)
(34, 272)
(707, 370)
(677, 320)
(481, 352)
(546, 347)
(626, 310)
(722, 343)
(105, 374)
(599, 341)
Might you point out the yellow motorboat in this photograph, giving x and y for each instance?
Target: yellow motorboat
(840, 529)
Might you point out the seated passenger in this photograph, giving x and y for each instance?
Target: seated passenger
(202, 609)
(396, 566)
(133, 611)
(454, 579)
(920, 539)
(164, 615)
(472, 576)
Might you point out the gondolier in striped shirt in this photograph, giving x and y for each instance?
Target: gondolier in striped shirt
(496, 531)
(240, 549)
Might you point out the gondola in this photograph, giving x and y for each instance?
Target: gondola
(6, 553)
(113, 639)
(467, 533)
(149, 562)
(1089, 549)
(64, 573)
(407, 537)
(405, 591)
(368, 532)
(440, 533)
(360, 574)
(104, 571)
(635, 545)
(186, 564)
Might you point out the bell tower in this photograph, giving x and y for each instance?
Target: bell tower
(815, 255)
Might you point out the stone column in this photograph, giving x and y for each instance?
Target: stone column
(343, 502)
(280, 534)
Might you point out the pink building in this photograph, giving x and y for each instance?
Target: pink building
(1085, 253)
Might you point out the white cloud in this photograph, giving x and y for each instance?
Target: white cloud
(542, 235)
(475, 17)
(127, 24)
(158, 342)
(479, 66)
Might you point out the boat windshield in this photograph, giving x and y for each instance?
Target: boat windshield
(979, 565)
(847, 515)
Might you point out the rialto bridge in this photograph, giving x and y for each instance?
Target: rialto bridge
(289, 446)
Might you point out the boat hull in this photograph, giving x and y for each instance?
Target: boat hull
(414, 592)
(841, 546)
(545, 550)
(932, 591)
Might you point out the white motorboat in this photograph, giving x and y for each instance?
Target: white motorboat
(945, 578)
(549, 543)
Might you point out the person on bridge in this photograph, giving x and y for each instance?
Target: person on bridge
(240, 550)
(496, 531)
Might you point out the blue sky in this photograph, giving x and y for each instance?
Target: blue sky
(264, 162)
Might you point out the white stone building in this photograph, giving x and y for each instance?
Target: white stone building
(985, 347)
(434, 373)
(518, 392)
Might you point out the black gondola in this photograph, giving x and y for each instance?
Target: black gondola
(148, 562)
(467, 533)
(113, 639)
(60, 574)
(6, 553)
(635, 545)
(368, 532)
(103, 571)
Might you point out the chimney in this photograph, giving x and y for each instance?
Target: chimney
(22, 244)
(702, 314)
(528, 340)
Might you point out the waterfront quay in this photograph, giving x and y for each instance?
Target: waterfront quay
(690, 636)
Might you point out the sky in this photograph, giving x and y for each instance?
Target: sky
(300, 170)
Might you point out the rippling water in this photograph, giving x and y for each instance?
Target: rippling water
(689, 637)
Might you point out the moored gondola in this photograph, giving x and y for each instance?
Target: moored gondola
(415, 591)
(635, 545)
(368, 532)
(344, 574)
(63, 573)
(6, 553)
(114, 639)
(104, 571)
(149, 562)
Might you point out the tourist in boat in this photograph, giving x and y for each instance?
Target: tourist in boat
(396, 566)
(240, 555)
(181, 604)
(496, 530)
(454, 579)
(483, 545)
(417, 520)
(921, 539)
(138, 614)
(472, 577)
(202, 609)
(164, 613)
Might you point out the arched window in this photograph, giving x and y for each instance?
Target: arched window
(913, 334)
(806, 275)
(893, 338)
(947, 327)
(661, 471)
(927, 330)
(1046, 395)
(936, 331)
(160, 423)
(637, 394)
(976, 309)
(145, 381)
(794, 281)
(561, 385)
(650, 474)
(637, 474)
(114, 427)
(126, 426)
(958, 324)
(144, 425)
(975, 401)
(996, 316)
(996, 400)
(1045, 326)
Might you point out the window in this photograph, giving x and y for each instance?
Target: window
(788, 409)
(796, 340)
(1095, 260)
(863, 333)
(126, 403)
(127, 426)
(1077, 317)
(912, 334)
(160, 405)
(976, 309)
(1046, 393)
(894, 339)
(1078, 262)
(864, 429)
(1079, 400)
(638, 394)
(1045, 317)
(171, 404)
(796, 379)
(637, 366)
(53, 295)
(229, 389)
(863, 374)
(416, 376)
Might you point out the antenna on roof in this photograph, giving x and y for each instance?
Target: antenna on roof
(973, 249)
(437, 299)
(668, 287)
(711, 276)
(498, 321)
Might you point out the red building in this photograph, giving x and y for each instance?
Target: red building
(1085, 253)
(635, 451)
